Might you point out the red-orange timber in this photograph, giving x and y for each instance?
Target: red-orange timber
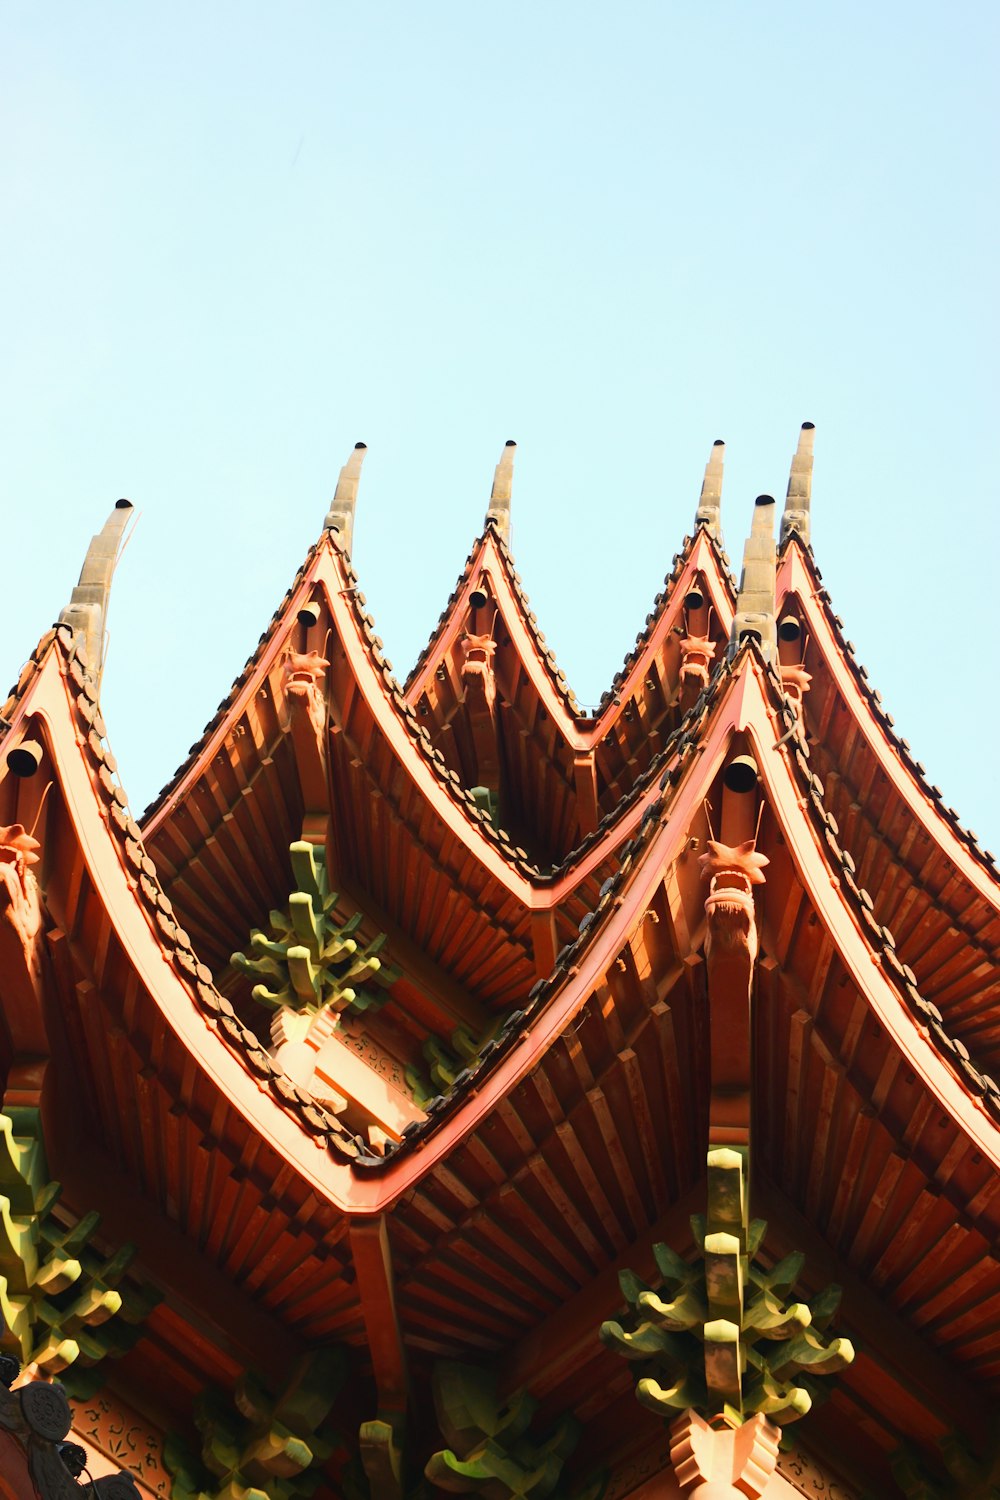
(444, 1089)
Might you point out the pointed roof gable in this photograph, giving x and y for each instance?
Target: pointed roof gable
(561, 770)
(509, 1208)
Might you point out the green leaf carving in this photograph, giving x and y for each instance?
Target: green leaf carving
(720, 1335)
(261, 1443)
(65, 1305)
(310, 962)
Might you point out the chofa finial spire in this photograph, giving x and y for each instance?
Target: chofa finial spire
(754, 617)
(87, 611)
(498, 514)
(795, 521)
(709, 512)
(340, 516)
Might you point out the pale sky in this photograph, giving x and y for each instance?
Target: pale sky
(237, 238)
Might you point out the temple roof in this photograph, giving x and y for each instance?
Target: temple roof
(542, 1030)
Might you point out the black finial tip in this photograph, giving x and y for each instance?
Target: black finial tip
(361, 445)
(719, 443)
(808, 426)
(510, 443)
(123, 505)
(764, 500)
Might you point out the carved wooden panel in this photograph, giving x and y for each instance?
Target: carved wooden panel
(127, 1439)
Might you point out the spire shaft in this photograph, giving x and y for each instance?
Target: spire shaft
(709, 512)
(498, 514)
(340, 516)
(754, 617)
(796, 518)
(87, 611)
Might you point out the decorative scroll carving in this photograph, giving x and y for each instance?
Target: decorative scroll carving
(795, 680)
(731, 946)
(354, 1036)
(721, 1334)
(491, 1451)
(313, 963)
(805, 1474)
(635, 1471)
(65, 1306)
(124, 1437)
(261, 1442)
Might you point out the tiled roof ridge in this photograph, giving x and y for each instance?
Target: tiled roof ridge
(879, 938)
(167, 790)
(25, 677)
(660, 602)
(445, 615)
(840, 863)
(173, 940)
(547, 657)
(683, 743)
(516, 856)
(884, 718)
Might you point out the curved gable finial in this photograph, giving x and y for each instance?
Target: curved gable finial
(709, 512)
(340, 516)
(795, 521)
(87, 611)
(498, 514)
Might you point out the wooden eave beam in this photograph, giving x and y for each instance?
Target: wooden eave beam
(914, 1365)
(555, 1351)
(370, 1249)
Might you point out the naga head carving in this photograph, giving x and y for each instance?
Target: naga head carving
(479, 652)
(795, 680)
(18, 849)
(729, 907)
(477, 667)
(18, 852)
(303, 682)
(697, 652)
(304, 668)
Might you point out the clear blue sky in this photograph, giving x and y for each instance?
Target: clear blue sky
(236, 238)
